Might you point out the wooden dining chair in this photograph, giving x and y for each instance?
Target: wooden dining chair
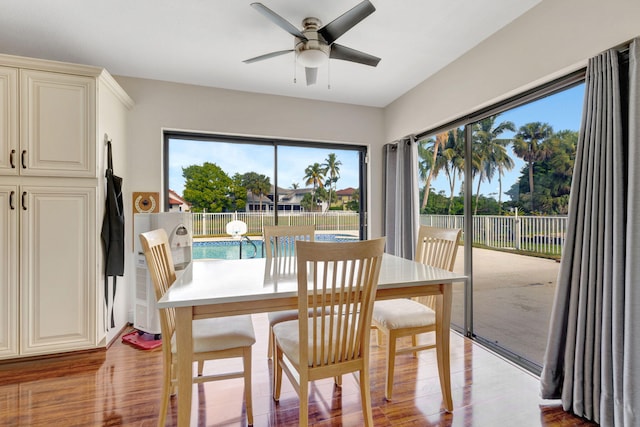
(217, 338)
(279, 245)
(337, 285)
(397, 318)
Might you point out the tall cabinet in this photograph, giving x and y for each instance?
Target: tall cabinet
(53, 117)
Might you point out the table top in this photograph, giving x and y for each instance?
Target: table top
(209, 282)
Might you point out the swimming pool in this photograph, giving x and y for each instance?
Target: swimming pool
(230, 249)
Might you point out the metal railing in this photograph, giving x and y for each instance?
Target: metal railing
(214, 224)
(537, 234)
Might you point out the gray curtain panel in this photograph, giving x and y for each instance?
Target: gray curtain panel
(593, 350)
(401, 197)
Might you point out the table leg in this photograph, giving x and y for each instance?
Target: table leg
(443, 325)
(184, 349)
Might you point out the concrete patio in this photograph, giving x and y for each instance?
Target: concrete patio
(513, 296)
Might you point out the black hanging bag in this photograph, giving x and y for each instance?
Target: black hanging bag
(113, 231)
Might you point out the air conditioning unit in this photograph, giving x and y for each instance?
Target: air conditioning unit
(146, 316)
(178, 226)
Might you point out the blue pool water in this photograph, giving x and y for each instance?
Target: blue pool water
(230, 249)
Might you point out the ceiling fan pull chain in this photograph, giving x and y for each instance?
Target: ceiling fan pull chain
(295, 68)
(328, 73)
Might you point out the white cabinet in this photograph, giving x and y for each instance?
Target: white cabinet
(58, 310)
(8, 271)
(53, 118)
(57, 124)
(9, 149)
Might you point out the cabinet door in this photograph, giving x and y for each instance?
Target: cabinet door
(9, 151)
(57, 124)
(57, 267)
(8, 271)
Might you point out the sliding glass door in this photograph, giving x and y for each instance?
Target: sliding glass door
(505, 178)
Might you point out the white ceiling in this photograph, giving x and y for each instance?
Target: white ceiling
(204, 42)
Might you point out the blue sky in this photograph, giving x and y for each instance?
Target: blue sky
(563, 111)
(241, 158)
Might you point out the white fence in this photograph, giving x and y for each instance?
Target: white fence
(538, 234)
(214, 224)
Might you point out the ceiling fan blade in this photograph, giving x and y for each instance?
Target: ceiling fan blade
(346, 21)
(278, 20)
(347, 54)
(311, 75)
(267, 56)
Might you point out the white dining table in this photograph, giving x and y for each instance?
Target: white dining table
(217, 288)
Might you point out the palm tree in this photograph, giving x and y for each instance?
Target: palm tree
(314, 175)
(428, 166)
(332, 168)
(503, 162)
(258, 184)
(295, 186)
(452, 160)
(530, 145)
(489, 150)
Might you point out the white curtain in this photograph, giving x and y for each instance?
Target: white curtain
(401, 216)
(592, 361)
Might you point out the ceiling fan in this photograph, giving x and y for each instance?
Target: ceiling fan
(314, 44)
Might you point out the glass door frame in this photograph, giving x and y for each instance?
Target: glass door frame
(550, 88)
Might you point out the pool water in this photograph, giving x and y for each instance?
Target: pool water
(231, 249)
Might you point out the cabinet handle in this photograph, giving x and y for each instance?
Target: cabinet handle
(24, 200)
(24, 159)
(11, 159)
(11, 205)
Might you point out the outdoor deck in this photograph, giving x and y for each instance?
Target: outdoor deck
(512, 299)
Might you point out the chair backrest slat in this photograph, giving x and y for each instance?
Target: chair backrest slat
(336, 289)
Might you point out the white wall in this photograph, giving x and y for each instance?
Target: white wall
(113, 122)
(162, 105)
(552, 39)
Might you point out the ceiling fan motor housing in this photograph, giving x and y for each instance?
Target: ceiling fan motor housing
(315, 50)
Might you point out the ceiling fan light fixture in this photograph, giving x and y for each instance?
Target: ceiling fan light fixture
(312, 58)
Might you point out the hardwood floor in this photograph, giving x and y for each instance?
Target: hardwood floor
(121, 387)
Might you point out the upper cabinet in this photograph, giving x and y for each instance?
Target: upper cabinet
(53, 132)
(58, 124)
(9, 149)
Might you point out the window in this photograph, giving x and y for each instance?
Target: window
(266, 181)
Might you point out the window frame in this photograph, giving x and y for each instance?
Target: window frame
(362, 151)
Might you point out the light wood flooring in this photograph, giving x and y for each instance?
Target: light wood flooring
(121, 387)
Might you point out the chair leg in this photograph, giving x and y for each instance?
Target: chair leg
(167, 388)
(365, 397)
(414, 343)
(246, 358)
(270, 347)
(303, 420)
(391, 362)
(200, 367)
(277, 372)
(174, 380)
